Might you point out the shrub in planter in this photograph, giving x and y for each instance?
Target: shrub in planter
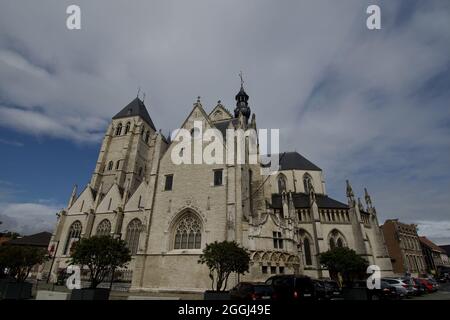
(18, 262)
(102, 256)
(222, 259)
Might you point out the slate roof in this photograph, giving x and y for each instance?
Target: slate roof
(427, 242)
(136, 108)
(295, 161)
(446, 248)
(301, 200)
(41, 239)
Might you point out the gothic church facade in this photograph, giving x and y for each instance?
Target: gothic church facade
(167, 213)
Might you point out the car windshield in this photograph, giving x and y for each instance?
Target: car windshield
(263, 289)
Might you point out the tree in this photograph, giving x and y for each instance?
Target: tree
(102, 255)
(222, 259)
(343, 261)
(19, 260)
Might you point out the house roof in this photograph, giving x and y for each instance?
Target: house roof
(427, 242)
(446, 248)
(41, 239)
(301, 200)
(295, 161)
(136, 108)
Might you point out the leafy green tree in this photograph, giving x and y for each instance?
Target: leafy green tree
(222, 259)
(101, 255)
(344, 261)
(20, 260)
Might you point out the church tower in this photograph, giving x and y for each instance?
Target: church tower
(126, 151)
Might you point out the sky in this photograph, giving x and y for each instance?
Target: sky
(371, 106)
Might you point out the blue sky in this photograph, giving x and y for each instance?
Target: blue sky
(369, 106)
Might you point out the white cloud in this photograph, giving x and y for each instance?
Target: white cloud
(28, 218)
(438, 231)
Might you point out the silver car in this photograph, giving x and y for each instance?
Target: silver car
(403, 289)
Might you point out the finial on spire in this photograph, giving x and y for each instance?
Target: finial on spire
(139, 91)
(143, 98)
(219, 102)
(367, 198)
(242, 79)
(198, 99)
(350, 193)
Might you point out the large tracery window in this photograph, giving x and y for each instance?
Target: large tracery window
(336, 239)
(132, 236)
(119, 129)
(73, 235)
(281, 183)
(307, 181)
(188, 233)
(104, 228)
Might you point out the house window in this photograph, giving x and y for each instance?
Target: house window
(168, 182)
(133, 233)
(119, 129)
(264, 269)
(273, 270)
(277, 240)
(218, 174)
(73, 236)
(188, 234)
(110, 165)
(104, 228)
(127, 128)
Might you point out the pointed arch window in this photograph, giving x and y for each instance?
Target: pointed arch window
(127, 127)
(119, 129)
(110, 165)
(307, 251)
(332, 244)
(73, 236)
(307, 182)
(281, 183)
(133, 234)
(147, 136)
(104, 228)
(188, 233)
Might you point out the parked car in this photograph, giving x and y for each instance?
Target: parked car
(420, 287)
(251, 291)
(386, 292)
(428, 286)
(292, 287)
(334, 291)
(434, 283)
(320, 290)
(403, 289)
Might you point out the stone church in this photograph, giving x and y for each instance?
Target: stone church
(168, 212)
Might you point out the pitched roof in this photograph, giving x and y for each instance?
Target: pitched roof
(136, 108)
(427, 242)
(295, 161)
(446, 248)
(41, 239)
(301, 200)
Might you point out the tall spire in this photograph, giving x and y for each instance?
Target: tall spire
(367, 198)
(350, 194)
(242, 102)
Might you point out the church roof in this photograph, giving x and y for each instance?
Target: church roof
(222, 126)
(295, 161)
(301, 200)
(136, 108)
(41, 239)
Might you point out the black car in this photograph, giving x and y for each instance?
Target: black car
(251, 291)
(320, 290)
(333, 290)
(292, 287)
